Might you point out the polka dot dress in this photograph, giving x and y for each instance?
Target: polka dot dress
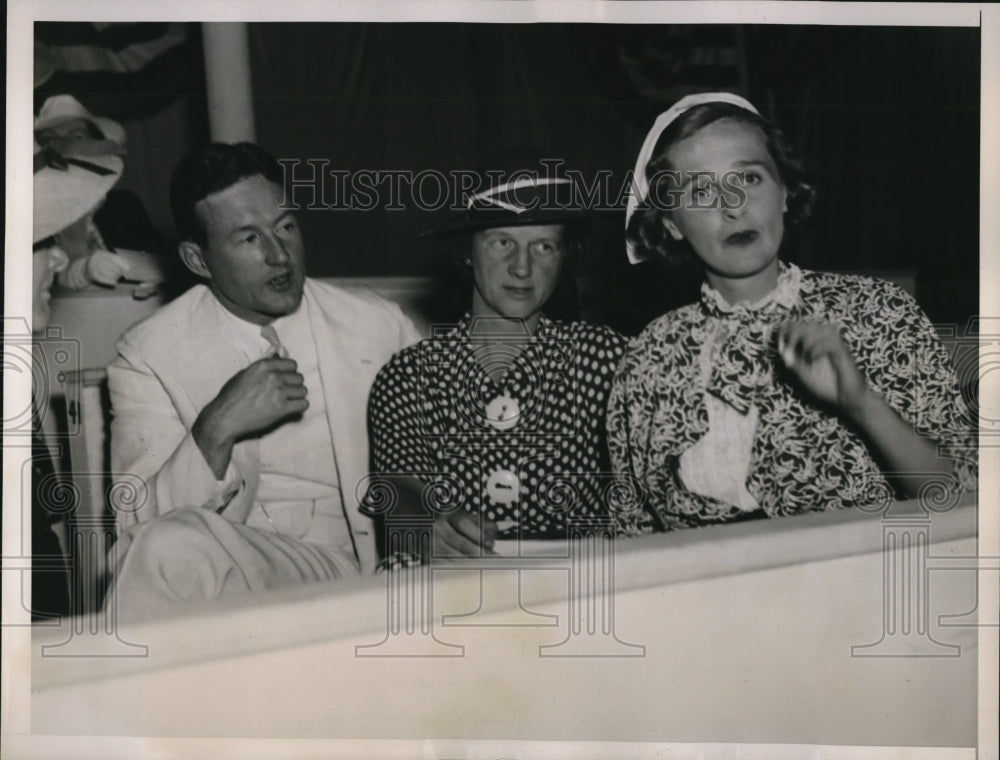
(526, 451)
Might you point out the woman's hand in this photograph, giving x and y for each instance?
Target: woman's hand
(106, 268)
(100, 267)
(816, 354)
(455, 534)
(74, 276)
(460, 533)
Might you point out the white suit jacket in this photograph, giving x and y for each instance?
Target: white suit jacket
(171, 365)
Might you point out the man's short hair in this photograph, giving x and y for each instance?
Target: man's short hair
(211, 170)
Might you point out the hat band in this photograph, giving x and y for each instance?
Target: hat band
(490, 197)
(53, 158)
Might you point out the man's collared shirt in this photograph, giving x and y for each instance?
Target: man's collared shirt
(299, 491)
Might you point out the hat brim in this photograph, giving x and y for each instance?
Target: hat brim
(479, 220)
(111, 129)
(62, 197)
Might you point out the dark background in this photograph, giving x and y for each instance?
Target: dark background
(887, 120)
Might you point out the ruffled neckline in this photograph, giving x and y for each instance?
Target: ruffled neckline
(782, 297)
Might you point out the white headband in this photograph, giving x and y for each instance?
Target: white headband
(640, 186)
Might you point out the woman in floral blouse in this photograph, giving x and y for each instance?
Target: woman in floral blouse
(782, 390)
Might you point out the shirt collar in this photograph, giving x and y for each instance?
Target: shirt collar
(291, 327)
(464, 326)
(246, 336)
(782, 298)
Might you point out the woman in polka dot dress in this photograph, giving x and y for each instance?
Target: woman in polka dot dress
(496, 426)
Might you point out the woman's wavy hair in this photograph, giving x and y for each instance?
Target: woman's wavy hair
(646, 230)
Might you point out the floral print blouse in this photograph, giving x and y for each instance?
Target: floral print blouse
(803, 457)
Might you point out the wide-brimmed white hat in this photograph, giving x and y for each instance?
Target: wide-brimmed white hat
(71, 177)
(59, 109)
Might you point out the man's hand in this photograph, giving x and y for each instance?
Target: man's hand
(267, 392)
(815, 353)
(460, 533)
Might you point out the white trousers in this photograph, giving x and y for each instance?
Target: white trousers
(190, 555)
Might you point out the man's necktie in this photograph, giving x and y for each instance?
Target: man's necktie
(271, 336)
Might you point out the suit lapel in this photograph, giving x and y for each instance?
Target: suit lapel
(347, 364)
(346, 368)
(209, 359)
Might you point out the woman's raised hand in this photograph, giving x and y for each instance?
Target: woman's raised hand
(816, 354)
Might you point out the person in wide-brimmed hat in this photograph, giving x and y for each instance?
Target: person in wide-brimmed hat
(66, 186)
(469, 407)
(109, 238)
(71, 179)
(64, 117)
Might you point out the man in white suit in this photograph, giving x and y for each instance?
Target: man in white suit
(241, 404)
